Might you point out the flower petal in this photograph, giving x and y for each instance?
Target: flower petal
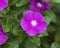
(25, 24)
(6, 1)
(31, 32)
(1, 8)
(47, 5)
(3, 4)
(29, 14)
(42, 27)
(3, 38)
(38, 16)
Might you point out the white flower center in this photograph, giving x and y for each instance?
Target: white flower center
(39, 4)
(34, 22)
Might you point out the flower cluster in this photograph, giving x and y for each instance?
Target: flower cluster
(33, 21)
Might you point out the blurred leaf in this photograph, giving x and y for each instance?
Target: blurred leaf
(11, 45)
(6, 24)
(57, 37)
(16, 12)
(56, 1)
(51, 15)
(5, 11)
(21, 3)
(1, 15)
(35, 40)
(12, 2)
(58, 20)
(29, 44)
(48, 19)
(52, 28)
(16, 30)
(55, 45)
(20, 36)
(44, 42)
(44, 34)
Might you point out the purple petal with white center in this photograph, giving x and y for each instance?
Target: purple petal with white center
(33, 23)
(39, 5)
(39, 17)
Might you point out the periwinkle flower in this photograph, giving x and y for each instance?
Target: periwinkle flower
(39, 5)
(3, 4)
(33, 23)
(3, 36)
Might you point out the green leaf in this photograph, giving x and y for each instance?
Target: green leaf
(35, 40)
(16, 30)
(48, 19)
(55, 45)
(12, 2)
(6, 24)
(44, 42)
(51, 15)
(5, 11)
(1, 15)
(21, 3)
(57, 37)
(52, 28)
(56, 1)
(44, 34)
(29, 44)
(11, 45)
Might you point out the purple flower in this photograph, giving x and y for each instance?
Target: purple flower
(3, 4)
(39, 5)
(3, 36)
(33, 23)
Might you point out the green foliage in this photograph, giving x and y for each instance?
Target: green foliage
(55, 45)
(6, 24)
(10, 20)
(29, 44)
(56, 1)
(21, 3)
